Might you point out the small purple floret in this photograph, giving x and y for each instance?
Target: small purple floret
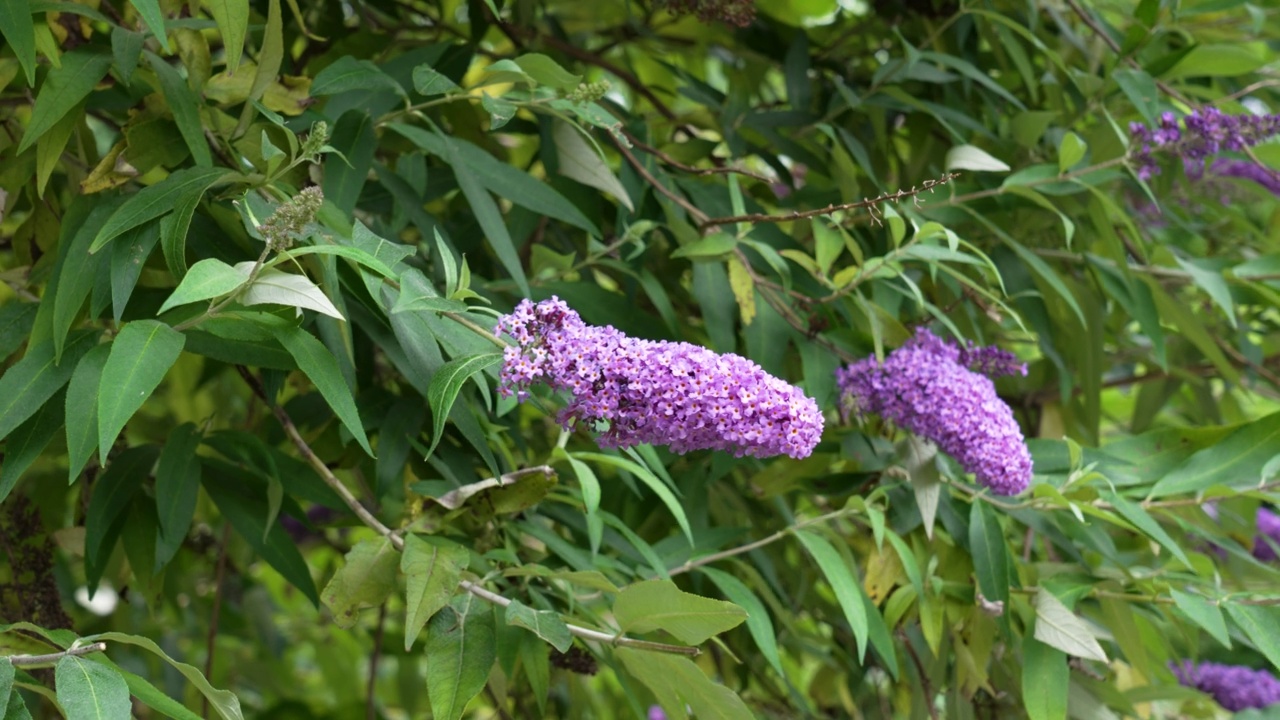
(1234, 687)
(664, 393)
(942, 392)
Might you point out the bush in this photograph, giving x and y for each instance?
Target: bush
(774, 359)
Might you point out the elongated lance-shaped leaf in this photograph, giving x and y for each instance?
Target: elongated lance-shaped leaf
(63, 89)
(660, 605)
(177, 488)
(840, 576)
(156, 200)
(154, 18)
(460, 653)
(1057, 626)
(446, 384)
(432, 567)
(30, 382)
(185, 106)
(318, 364)
(225, 702)
(207, 279)
(82, 409)
(232, 17)
(140, 357)
(27, 442)
(649, 479)
(20, 34)
(366, 580)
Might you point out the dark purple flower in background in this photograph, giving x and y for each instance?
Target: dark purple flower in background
(1234, 687)
(665, 393)
(942, 392)
(1268, 527)
(1204, 133)
(1247, 170)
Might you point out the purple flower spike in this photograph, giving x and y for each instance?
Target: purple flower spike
(665, 393)
(1205, 133)
(942, 392)
(1234, 687)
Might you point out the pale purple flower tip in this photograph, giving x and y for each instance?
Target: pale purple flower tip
(1268, 527)
(1247, 170)
(656, 713)
(1205, 133)
(929, 386)
(664, 393)
(1234, 687)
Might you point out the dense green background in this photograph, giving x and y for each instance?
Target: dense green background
(193, 435)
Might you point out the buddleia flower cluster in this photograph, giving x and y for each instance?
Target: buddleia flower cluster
(943, 392)
(291, 218)
(1201, 134)
(1234, 687)
(636, 391)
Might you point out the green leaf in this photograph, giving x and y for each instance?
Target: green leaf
(151, 696)
(112, 493)
(16, 321)
(17, 709)
(128, 256)
(660, 605)
(225, 702)
(177, 489)
(318, 364)
(500, 111)
(126, 50)
(82, 409)
(490, 219)
(1141, 90)
(460, 652)
(970, 157)
(1141, 519)
(711, 246)
(156, 200)
(6, 682)
(366, 580)
(1217, 60)
(579, 161)
(1213, 283)
(663, 492)
(151, 15)
(447, 382)
(76, 273)
(26, 443)
(50, 146)
(91, 691)
(345, 175)
(498, 177)
(428, 81)
(1261, 627)
(758, 622)
(1058, 627)
(1070, 151)
(347, 73)
(30, 382)
(207, 279)
(922, 470)
(246, 506)
(273, 287)
(990, 554)
(140, 357)
(355, 254)
(432, 567)
(63, 89)
(543, 623)
(1203, 613)
(679, 684)
(1236, 460)
(185, 106)
(840, 577)
(270, 57)
(20, 34)
(1045, 680)
(547, 71)
(232, 17)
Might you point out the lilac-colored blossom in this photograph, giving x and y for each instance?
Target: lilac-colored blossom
(665, 393)
(1234, 687)
(656, 713)
(1247, 170)
(1204, 133)
(942, 392)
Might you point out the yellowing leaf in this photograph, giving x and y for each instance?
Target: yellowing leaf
(744, 289)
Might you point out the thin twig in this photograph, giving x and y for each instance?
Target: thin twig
(51, 658)
(699, 217)
(664, 157)
(397, 541)
(371, 696)
(756, 544)
(866, 203)
(1115, 47)
(926, 687)
(212, 638)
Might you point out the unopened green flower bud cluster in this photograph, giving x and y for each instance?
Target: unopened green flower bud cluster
(291, 218)
(590, 92)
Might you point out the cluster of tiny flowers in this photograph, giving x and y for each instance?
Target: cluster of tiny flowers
(664, 393)
(291, 218)
(1247, 170)
(731, 12)
(590, 92)
(929, 386)
(1204, 133)
(1234, 687)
